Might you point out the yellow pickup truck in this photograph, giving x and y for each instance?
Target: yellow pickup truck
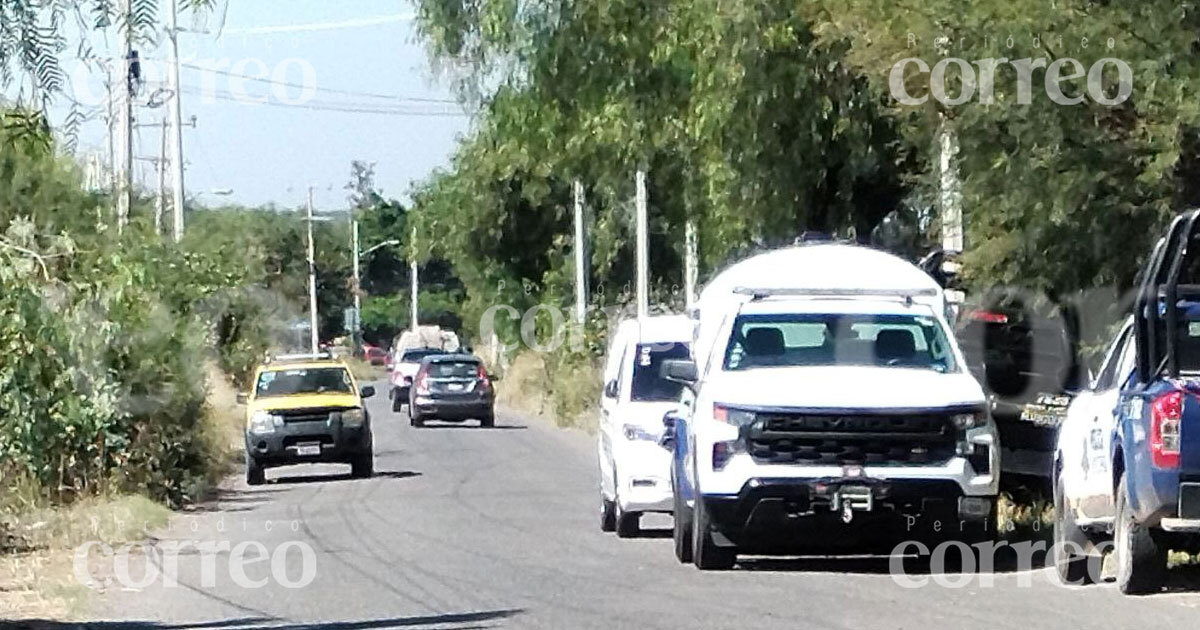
(307, 409)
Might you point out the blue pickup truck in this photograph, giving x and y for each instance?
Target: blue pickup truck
(1127, 458)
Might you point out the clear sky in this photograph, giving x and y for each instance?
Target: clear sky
(271, 153)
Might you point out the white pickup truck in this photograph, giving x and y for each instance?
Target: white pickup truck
(827, 403)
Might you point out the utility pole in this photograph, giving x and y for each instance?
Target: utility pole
(173, 85)
(412, 248)
(581, 258)
(357, 331)
(643, 249)
(125, 115)
(691, 266)
(312, 275)
(161, 202)
(950, 196)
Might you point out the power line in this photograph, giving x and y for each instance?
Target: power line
(298, 86)
(352, 108)
(321, 26)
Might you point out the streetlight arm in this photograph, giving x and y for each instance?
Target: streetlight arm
(371, 250)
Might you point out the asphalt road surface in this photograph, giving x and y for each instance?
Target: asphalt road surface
(469, 528)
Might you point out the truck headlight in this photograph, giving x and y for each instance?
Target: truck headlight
(733, 417)
(634, 433)
(262, 422)
(353, 418)
(964, 421)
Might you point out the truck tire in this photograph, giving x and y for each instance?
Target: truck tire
(682, 529)
(629, 524)
(363, 466)
(256, 475)
(706, 555)
(1071, 568)
(608, 515)
(1141, 561)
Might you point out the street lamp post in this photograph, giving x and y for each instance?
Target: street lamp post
(358, 256)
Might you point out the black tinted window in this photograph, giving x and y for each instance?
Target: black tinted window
(648, 384)
(453, 369)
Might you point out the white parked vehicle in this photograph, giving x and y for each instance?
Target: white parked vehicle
(1084, 497)
(826, 391)
(634, 469)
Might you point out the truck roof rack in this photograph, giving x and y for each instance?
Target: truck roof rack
(1156, 309)
(307, 356)
(760, 293)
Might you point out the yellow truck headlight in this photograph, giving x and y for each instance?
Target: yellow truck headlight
(262, 422)
(353, 418)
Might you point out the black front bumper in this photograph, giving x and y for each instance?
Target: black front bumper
(338, 443)
(770, 515)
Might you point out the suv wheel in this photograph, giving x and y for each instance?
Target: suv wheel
(706, 555)
(682, 529)
(363, 466)
(1071, 568)
(256, 475)
(608, 515)
(1141, 561)
(629, 524)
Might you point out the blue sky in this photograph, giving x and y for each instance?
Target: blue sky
(267, 153)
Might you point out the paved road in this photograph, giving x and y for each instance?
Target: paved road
(470, 528)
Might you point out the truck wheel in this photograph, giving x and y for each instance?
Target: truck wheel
(629, 524)
(1071, 568)
(256, 475)
(363, 466)
(682, 530)
(1141, 561)
(608, 515)
(706, 555)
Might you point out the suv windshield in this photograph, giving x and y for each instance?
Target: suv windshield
(911, 341)
(648, 384)
(303, 381)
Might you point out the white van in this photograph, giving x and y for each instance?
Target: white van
(827, 389)
(634, 468)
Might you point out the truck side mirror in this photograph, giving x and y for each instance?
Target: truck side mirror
(367, 391)
(243, 398)
(680, 371)
(610, 389)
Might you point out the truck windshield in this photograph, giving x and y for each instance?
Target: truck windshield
(648, 384)
(910, 341)
(303, 381)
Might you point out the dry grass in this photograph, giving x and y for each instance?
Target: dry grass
(564, 392)
(38, 580)
(364, 371)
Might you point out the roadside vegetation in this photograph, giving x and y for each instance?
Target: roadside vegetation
(761, 121)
